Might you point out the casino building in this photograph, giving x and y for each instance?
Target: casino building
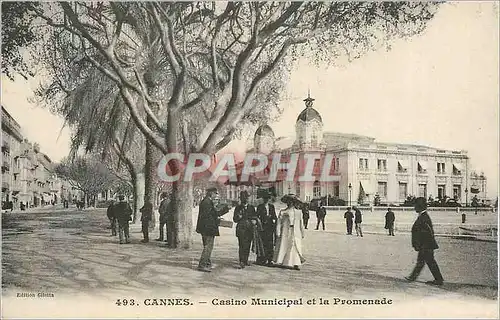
(363, 168)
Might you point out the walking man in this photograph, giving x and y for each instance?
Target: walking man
(320, 215)
(208, 226)
(246, 219)
(357, 220)
(123, 214)
(146, 216)
(305, 214)
(267, 216)
(389, 221)
(348, 216)
(163, 210)
(111, 216)
(424, 242)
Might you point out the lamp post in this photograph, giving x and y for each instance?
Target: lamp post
(466, 199)
(350, 189)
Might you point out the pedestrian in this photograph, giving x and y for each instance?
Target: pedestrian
(320, 215)
(305, 214)
(163, 210)
(266, 213)
(123, 214)
(146, 216)
(357, 220)
(424, 242)
(289, 232)
(348, 216)
(208, 226)
(245, 217)
(389, 221)
(112, 218)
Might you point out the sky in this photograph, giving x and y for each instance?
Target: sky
(440, 89)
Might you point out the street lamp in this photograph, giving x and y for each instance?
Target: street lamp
(350, 189)
(466, 199)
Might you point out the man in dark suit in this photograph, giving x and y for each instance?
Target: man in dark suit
(358, 218)
(424, 242)
(123, 214)
(246, 219)
(208, 226)
(166, 213)
(348, 216)
(320, 215)
(305, 214)
(389, 221)
(111, 216)
(146, 216)
(267, 216)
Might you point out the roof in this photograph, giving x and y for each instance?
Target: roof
(309, 114)
(264, 130)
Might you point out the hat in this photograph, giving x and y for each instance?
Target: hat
(290, 198)
(420, 204)
(213, 189)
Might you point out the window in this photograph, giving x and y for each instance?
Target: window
(457, 191)
(422, 190)
(441, 191)
(402, 167)
(337, 164)
(289, 189)
(382, 165)
(403, 190)
(456, 170)
(363, 164)
(441, 168)
(297, 189)
(316, 189)
(336, 190)
(422, 167)
(382, 188)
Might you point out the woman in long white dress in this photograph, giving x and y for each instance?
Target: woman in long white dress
(289, 233)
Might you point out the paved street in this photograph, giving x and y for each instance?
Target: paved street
(71, 252)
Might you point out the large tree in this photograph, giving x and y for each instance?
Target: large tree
(170, 61)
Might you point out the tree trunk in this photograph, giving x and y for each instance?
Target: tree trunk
(183, 206)
(135, 199)
(140, 189)
(149, 172)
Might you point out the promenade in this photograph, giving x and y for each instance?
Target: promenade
(70, 253)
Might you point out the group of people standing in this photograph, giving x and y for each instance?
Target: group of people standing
(120, 214)
(349, 217)
(276, 239)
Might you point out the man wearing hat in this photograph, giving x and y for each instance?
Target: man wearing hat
(424, 242)
(348, 216)
(246, 220)
(208, 226)
(267, 215)
(123, 214)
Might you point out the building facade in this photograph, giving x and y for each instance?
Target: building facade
(362, 168)
(27, 174)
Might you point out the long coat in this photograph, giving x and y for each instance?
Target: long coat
(320, 212)
(243, 217)
(422, 233)
(267, 217)
(389, 219)
(208, 218)
(122, 212)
